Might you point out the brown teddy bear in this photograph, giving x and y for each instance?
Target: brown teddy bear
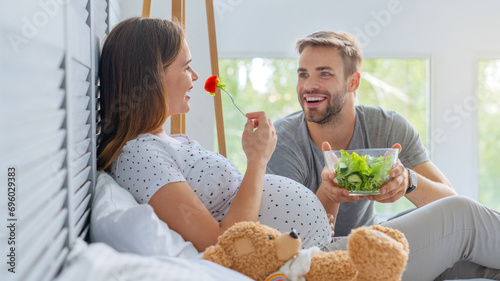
(375, 253)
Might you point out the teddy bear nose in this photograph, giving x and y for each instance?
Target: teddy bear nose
(293, 234)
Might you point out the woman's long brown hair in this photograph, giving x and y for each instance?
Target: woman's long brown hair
(132, 96)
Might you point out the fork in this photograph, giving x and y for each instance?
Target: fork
(232, 99)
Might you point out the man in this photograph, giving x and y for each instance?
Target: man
(328, 77)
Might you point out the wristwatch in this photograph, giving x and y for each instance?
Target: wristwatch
(413, 181)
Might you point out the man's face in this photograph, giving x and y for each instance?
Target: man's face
(321, 86)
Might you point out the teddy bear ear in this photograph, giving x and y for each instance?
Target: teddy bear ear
(218, 255)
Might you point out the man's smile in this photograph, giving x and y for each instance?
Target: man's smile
(314, 100)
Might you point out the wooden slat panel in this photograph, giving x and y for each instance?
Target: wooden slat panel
(15, 101)
(50, 60)
(35, 228)
(57, 262)
(80, 149)
(78, 35)
(49, 256)
(33, 202)
(78, 103)
(38, 123)
(81, 193)
(40, 80)
(80, 118)
(21, 152)
(79, 180)
(79, 164)
(86, 228)
(100, 18)
(81, 215)
(80, 209)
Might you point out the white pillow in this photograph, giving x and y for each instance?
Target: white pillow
(128, 227)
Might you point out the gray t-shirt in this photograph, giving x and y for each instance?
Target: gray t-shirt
(297, 156)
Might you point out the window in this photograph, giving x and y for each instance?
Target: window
(269, 85)
(400, 85)
(256, 85)
(489, 132)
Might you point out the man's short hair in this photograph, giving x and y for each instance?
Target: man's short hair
(346, 44)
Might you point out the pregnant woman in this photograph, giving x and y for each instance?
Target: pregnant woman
(145, 78)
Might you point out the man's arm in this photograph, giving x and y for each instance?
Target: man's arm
(432, 185)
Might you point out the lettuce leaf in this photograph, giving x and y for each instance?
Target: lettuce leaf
(362, 173)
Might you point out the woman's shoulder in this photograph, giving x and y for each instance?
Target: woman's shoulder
(147, 140)
(153, 146)
(145, 145)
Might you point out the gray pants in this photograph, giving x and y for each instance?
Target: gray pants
(452, 230)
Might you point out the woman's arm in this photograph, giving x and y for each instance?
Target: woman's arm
(178, 205)
(180, 208)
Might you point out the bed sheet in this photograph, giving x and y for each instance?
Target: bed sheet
(99, 262)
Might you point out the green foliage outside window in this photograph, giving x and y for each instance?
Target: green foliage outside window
(400, 85)
(257, 85)
(489, 132)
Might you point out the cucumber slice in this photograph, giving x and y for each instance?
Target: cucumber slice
(342, 167)
(354, 178)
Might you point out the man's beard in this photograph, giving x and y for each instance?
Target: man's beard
(331, 115)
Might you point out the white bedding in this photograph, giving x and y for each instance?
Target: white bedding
(131, 243)
(99, 262)
(128, 227)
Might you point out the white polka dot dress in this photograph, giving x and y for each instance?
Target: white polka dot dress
(147, 163)
(287, 204)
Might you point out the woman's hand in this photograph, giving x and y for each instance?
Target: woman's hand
(258, 138)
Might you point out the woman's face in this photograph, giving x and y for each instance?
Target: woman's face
(178, 81)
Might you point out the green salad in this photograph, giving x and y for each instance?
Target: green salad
(362, 173)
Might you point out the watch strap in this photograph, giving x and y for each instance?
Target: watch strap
(413, 185)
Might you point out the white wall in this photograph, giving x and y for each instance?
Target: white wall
(453, 34)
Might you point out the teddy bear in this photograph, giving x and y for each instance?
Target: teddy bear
(375, 253)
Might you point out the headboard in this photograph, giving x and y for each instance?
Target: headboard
(48, 130)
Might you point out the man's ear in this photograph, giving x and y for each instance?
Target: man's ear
(353, 82)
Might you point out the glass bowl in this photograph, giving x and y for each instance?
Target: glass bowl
(361, 171)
